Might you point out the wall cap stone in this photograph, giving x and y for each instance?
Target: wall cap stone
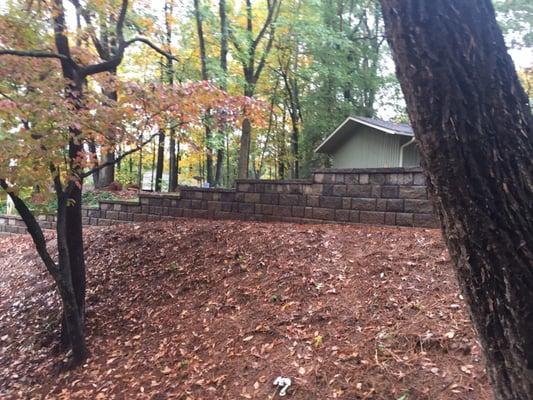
(275, 181)
(396, 170)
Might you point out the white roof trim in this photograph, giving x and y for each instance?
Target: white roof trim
(362, 122)
(334, 132)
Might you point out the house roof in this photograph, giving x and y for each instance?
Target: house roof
(345, 129)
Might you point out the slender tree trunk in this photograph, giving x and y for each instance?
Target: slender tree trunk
(244, 150)
(224, 36)
(282, 153)
(96, 174)
(227, 162)
(73, 261)
(73, 330)
(160, 161)
(140, 170)
(71, 284)
(173, 166)
(119, 162)
(205, 76)
(294, 150)
(106, 176)
(208, 156)
(474, 130)
(252, 73)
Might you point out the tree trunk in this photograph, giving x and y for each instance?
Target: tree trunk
(474, 130)
(140, 170)
(244, 150)
(173, 166)
(69, 225)
(205, 76)
(160, 161)
(294, 150)
(106, 175)
(208, 156)
(252, 73)
(218, 167)
(224, 36)
(96, 174)
(71, 280)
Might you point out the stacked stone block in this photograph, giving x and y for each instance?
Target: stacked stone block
(369, 196)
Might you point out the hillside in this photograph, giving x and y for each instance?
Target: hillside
(196, 309)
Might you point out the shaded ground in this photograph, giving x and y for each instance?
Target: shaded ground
(196, 309)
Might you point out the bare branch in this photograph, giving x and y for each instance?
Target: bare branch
(271, 12)
(147, 42)
(38, 54)
(33, 229)
(87, 17)
(265, 55)
(119, 158)
(117, 59)
(120, 22)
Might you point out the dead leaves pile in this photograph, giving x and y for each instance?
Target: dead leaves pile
(195, 309)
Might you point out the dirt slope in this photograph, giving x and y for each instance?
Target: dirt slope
(197, 309)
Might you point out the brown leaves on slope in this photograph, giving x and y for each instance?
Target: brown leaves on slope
(195, 309)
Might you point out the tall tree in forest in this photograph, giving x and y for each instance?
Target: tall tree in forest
(198, 16)
(69, 273)
(173, 144)
(288, 53)
(252, 50)
(105, 44)
(224, 39)
(474, 129)
(345, 40)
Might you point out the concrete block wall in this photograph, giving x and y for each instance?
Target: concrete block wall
(393, 196)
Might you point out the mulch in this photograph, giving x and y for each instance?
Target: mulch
(196, 309)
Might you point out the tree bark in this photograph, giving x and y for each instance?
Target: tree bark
(205, 77)
(160, 161)
(72, 263)
(474, 130)
(252, 72)
(173, 167)
(224, 36)
(244, 150)
(106, 176)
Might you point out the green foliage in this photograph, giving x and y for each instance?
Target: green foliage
(516, 20)
(91, 198)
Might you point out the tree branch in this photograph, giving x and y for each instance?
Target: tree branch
(119, 158)
(38, 54)
(120, 22)
(87, 17)
(147, 42)
(268, 21)
(264, 55)
(34, 229)
(117, 59)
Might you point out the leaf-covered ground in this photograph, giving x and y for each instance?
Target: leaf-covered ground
(196, 309)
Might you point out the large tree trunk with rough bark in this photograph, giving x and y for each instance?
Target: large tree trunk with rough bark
(474, 130)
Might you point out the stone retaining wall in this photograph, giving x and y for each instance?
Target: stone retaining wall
(393, 196)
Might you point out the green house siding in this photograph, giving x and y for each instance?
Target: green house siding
(411, 155)
(368, 148)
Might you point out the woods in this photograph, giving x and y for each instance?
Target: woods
(100, 96)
